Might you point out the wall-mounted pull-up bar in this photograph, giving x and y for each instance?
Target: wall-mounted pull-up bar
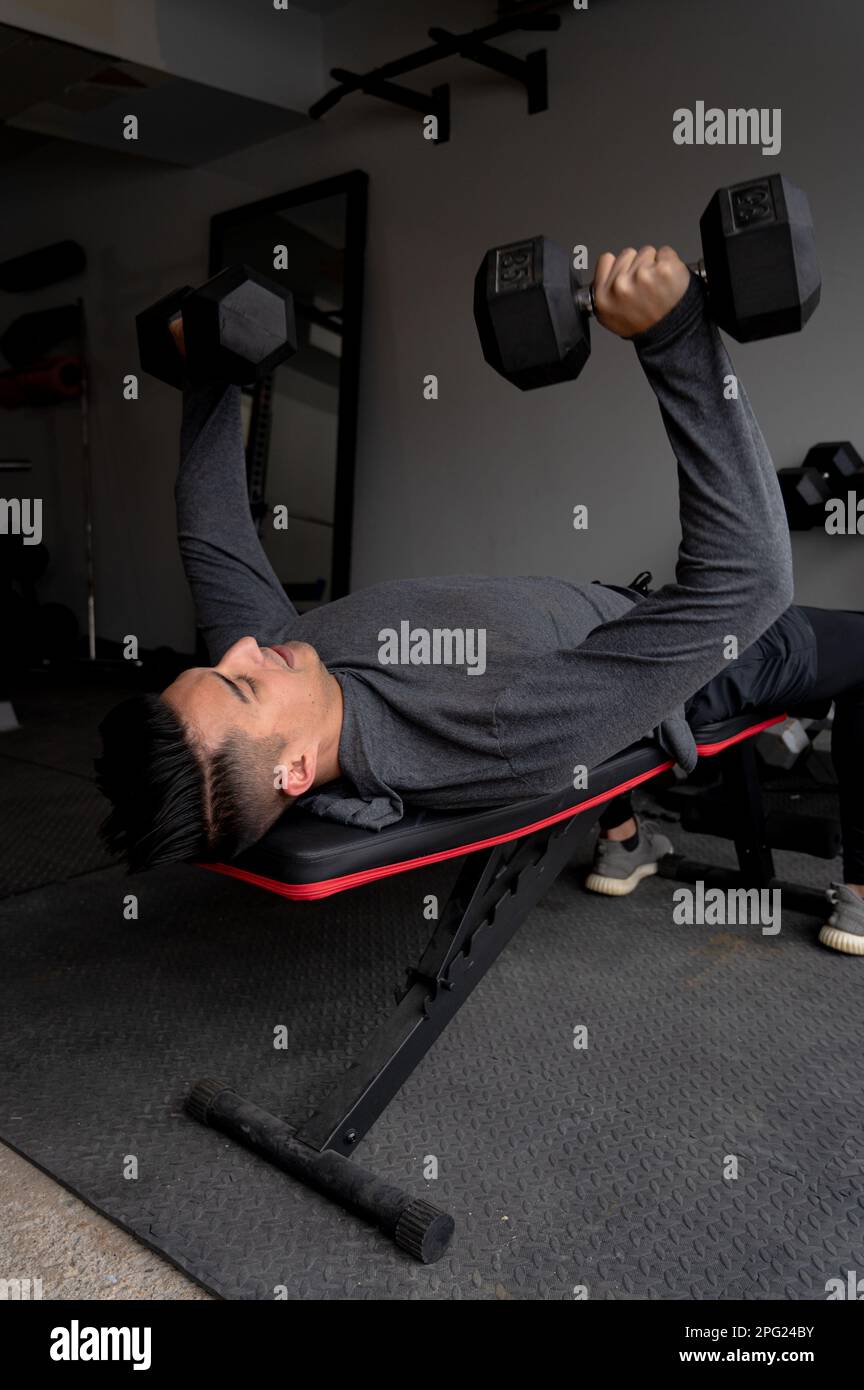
(474, 47)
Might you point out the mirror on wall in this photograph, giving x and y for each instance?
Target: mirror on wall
(301, 421)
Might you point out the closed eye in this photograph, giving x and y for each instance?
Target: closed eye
(251, 682)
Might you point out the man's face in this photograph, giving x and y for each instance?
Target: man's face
(265, 692)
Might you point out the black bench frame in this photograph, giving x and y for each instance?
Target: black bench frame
(494, 891)
(499, 882)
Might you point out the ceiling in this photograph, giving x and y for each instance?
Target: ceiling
(54, 90)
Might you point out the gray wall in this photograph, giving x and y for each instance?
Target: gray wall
(485, 479)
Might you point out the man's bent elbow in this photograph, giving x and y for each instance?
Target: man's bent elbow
(775, 594)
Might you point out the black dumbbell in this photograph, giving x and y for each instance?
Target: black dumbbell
(759, 264)
(828, 471)
(839, 462)
(806, 492)
(236, 327)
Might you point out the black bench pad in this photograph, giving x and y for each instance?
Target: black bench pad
(306, 857)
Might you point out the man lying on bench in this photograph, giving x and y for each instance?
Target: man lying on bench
(464, 692)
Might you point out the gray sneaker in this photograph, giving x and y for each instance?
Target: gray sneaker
(617, 871)
(844, 930)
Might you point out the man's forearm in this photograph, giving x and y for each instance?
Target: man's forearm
(734, 563)
(734, 570)
(233, 585)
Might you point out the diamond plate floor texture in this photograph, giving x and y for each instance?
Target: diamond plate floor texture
(606, 1167)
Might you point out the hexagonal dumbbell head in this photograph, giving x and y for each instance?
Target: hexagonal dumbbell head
(840, 463)
(530, 329)
(805, 492)
(760, 258)
(238, 326)
(157, 349)
(781, 745)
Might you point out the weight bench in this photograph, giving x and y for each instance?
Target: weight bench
(512, 855)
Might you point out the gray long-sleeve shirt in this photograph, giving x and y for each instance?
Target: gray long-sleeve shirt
(573, 672)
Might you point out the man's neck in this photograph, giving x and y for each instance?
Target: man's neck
(328, 749)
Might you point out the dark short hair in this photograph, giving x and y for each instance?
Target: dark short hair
(171, 800)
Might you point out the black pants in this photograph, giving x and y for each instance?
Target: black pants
(838, 676)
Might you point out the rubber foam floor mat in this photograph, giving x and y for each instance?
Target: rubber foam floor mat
(606, 1167)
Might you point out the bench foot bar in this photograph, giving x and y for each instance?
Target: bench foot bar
(415, 1225)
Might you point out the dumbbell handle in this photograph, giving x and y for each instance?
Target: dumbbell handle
(583, 296)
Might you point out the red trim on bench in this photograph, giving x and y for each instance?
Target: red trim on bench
(709, 750)
(303, 892)
(308, 892)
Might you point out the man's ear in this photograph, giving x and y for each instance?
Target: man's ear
(294, 776)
